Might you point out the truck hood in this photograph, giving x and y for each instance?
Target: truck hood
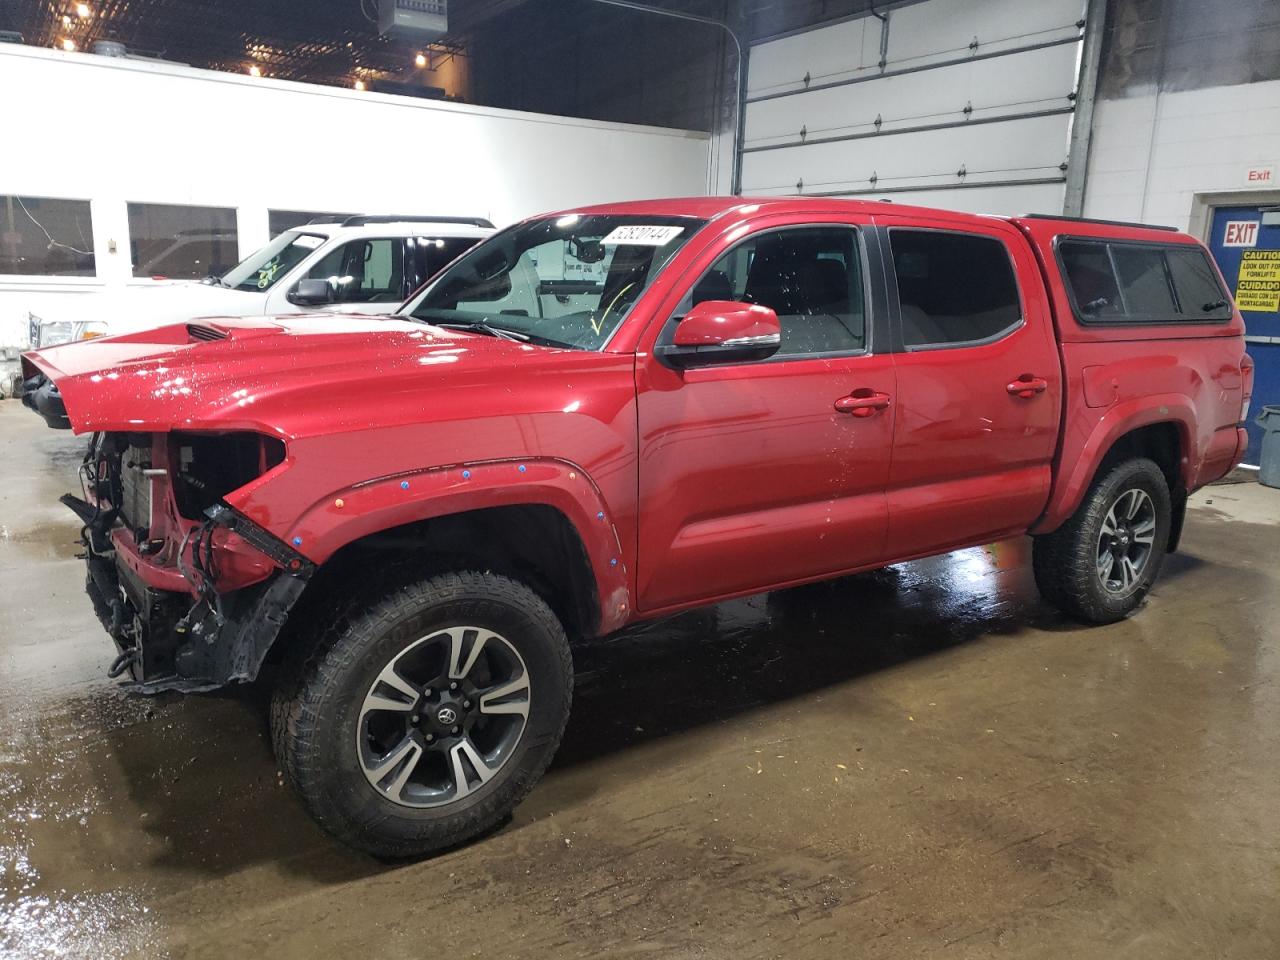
(290, 376)
(150, 304)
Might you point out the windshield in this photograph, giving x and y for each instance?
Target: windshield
(260, 271)
(564, 281)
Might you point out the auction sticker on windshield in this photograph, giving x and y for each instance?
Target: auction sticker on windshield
(641, 235)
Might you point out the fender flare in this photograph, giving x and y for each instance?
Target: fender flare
(1072, 481)
(372, 506)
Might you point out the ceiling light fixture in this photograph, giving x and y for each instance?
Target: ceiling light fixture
(359, 84)
(420, 59)
(68, 44)
(83, 11)
(255, 71)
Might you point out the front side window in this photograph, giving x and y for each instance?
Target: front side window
(954, 288)
(1142, 282)
(42, 236)
(563, 281)
(364, 271)
(811, 277)
(173, 241)
(261, 271)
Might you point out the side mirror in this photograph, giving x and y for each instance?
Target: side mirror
(311, 293)
(722, 331)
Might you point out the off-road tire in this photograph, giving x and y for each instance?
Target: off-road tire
(316, 706)
(1065, 562)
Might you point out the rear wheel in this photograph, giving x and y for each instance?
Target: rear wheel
(419, 722)
(1099, 565)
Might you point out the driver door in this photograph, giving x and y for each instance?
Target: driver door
(750, 476)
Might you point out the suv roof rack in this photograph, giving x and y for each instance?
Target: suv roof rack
(1108, 223)
(361, 220)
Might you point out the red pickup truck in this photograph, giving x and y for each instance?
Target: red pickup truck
(612, 414)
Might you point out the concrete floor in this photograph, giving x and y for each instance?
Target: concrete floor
(887, 766)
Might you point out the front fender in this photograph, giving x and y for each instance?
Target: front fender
(1087, 443)
(348, 514)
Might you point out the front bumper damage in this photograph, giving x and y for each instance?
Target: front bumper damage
(180, 640)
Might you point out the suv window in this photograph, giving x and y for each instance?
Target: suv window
(953, 288)
(810, 276)
(1141, 282)
(436, 253)
(364, 271)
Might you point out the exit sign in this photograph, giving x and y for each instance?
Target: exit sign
(1260, 177)
(1240, 233)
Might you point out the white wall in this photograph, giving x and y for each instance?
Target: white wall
(1151, 154)
(1012, 63)
(112, 131)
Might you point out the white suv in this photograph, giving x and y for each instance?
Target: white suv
(362, 264)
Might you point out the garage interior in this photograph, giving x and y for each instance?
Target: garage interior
(924, 758)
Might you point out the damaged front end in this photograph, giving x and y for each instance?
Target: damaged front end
(192, 592)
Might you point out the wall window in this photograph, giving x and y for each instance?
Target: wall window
(1142, 283)
(811, 277)
(42, 236)
(953, 288)
(364, 271)
(278, 221)
(181, 242)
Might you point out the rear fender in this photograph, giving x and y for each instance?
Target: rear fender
(349, 514)
(1079, 462)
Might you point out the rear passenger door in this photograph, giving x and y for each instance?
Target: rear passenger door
(979, 385)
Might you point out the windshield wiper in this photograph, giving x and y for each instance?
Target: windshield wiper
(213, 281)
(483, 326)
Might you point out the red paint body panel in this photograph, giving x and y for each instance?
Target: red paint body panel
(686, 487)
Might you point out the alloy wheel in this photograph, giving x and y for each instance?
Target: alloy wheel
(1126, 541)
(443, 717)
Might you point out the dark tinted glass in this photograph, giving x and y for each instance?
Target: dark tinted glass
(364, 271)
(812, 278)
(1092, 279)
(436, 253)
(168, 240)
(40, 236)
(1200, 295)
(278, 221)
(954, 288)
(1143, 281)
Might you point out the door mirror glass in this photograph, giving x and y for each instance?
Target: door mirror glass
(312, 293)
(723, 331)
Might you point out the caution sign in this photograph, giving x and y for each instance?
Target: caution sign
(1258, 286)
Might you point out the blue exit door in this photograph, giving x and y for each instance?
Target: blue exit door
(1247, 248)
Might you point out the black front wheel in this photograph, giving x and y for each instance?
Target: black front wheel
(420, 721)
(1099, 565)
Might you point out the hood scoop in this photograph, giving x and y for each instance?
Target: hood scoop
(198, 331)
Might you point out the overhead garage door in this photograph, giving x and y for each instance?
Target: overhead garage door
(970, 109)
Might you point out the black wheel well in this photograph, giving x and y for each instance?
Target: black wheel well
(532, 543)
(1160, 442)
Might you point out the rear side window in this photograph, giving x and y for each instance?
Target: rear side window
(954, 289)
(1141, 283)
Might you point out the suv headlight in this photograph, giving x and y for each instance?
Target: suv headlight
(55, 332)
